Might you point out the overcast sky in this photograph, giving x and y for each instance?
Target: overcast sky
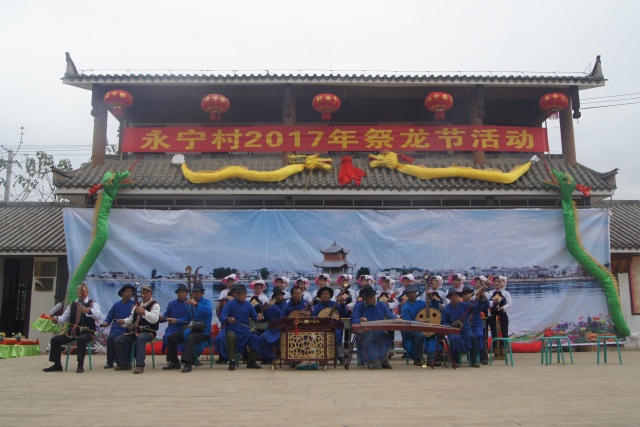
(284, 36)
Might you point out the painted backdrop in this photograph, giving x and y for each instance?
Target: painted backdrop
(549, 289)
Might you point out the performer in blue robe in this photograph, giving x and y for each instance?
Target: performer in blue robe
(478, 326)
(373, 346)
(120, 310)
(419, 342)
(297, 303)
(200, 311)
(236, 332)
(325, 294)
(457, 314)
(177, 309)
(270, 339)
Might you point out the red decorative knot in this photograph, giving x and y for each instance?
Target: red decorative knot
(552, 103)
(118, 101)
(215, 104)
(326, 103)
(438, 102)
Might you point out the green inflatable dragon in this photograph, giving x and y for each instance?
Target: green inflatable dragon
(565, 183)
(111, 183)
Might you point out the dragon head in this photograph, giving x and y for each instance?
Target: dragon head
(113, 181)
(311, 162)
(386, 159)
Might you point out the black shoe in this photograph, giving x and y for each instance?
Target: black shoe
(417, 362)
(170, 366)
(340, 361)
(475, 365)
(79, 369)
(251, 364)
(454, 365)
(108, 366)
(232, 366)
(434, 363)
(221, 360)
(385, 365)
(485, 361)
(186, 368)
(122, 368)
(53, 368)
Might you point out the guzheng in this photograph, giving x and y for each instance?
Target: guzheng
(403, 325)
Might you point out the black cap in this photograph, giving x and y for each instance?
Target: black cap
(277, 291)
(452, 291)
(198, 287)
(325, 289)
(182, 287)
(367, 292)
(239, 289)
(125, 286)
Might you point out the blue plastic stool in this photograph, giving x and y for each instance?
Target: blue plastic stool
(604, 347)
(509, 351)
(66, 364)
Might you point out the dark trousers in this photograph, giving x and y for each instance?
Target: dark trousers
(59, 340)
(504, 326)
(123, 347)
(189, 351)
(417, 338)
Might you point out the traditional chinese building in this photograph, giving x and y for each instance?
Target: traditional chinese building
(494, 123)
(335, 261)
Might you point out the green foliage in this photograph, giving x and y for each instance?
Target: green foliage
(362, 271)
(264, 273)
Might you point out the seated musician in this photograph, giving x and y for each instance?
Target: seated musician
(303, 282)
(389, 297)
(457, 282)
(373, 346)
(479, 321)
(143, 327)
(405, 281)
(296, 307)
(282, 282)
(435, 292)
(457, 314)
(500, 305)
(195, 336)
(120, 310)
(82, 315)
(225, 295)
(177, 309)
(270, 339)
(321, 281)
(258, 298)
(236, 333)
(327, 308)
(419, 341)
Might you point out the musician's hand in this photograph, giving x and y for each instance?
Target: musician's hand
(54, 320)
(192, 302)
(103, 324)
(84, 310)
(231, 320)
(140, 310)
(172, 321)
(363, 319)
(260, 317)
(120, 322)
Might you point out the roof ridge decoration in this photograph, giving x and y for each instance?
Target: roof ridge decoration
(389, 160)
(297, 163)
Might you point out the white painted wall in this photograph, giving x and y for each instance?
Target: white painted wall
(625, 298)
(41, 302)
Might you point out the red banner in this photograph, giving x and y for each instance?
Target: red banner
(333, 138)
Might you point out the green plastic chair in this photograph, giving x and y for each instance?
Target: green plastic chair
(604, 346)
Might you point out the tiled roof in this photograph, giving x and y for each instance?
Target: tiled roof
(334, 248)
(31, 229)
(85, 80)
(157, 174)
(625, 224)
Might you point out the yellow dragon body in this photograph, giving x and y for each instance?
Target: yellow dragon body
(389, 160)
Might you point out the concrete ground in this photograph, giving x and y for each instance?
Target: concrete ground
(528, 394)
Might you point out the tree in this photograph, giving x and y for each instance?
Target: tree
(31, 176)
(221, 272)
(363, 271)
(264, 273)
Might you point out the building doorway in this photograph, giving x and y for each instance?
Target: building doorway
(16, 295)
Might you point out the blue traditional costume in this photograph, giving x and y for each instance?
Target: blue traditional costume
(119, 310)
(373, 346)
(415, 342)
(237, 335)
(176, 310)
(461, 312)
(292, 306)
(270, 339)
(195, 341)
(340, 308)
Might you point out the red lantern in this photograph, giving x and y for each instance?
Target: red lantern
(551, 103)
(438, 102)
(216, 105)
(118, 101)
(326, 103)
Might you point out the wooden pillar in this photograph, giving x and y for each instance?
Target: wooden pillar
(99, 111)
(567, 137)
(288, 107)
(476, 115)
